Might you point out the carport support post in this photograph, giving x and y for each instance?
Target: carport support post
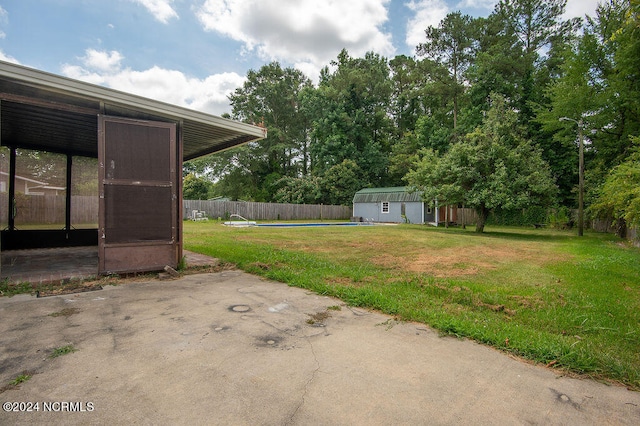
(12, 189)
(179, 189)
(67, 215)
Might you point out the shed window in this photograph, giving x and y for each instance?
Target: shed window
(385, 207)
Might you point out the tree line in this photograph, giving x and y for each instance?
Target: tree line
(472, 118)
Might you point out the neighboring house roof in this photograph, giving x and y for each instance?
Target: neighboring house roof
(393, 194)
(38, 184)
(48, 187)
(25, 179)
(36, 103)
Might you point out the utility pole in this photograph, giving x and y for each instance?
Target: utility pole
(580, 173)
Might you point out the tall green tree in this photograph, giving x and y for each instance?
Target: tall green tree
(613, 178)
(406, 101)
(619, 196)
(618, 26)
(599, 86)
(520, 47)
(299, 190)
(270, 98)
(576, 96)
(427, 134)
(341, 182)
(535, 24)
(351, 121)
(196, 188)
(430, 93)
(450, 45)
(337, 186)
(492, 167)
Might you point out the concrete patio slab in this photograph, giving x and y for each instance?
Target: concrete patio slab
(231, 348)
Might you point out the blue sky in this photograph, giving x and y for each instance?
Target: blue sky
(194, 53)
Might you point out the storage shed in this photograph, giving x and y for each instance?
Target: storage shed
(139, 145)
(399, 205)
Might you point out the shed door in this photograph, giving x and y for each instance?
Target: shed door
(138, 202)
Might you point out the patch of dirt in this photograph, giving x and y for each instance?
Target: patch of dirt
(318, 318)
(461, 261)
(389, 261)
(528, 302)
(66, 312)
(340, 281)
(66, 289)
(67, 286)
(368, 246)
(261, 265)
(496, 308)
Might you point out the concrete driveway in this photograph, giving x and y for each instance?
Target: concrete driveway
(231, 348)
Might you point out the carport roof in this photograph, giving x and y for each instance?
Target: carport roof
(45, 111)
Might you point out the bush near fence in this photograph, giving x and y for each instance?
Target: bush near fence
(521, 217)
(266, 211)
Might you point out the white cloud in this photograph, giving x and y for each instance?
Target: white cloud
(426, 13)
(7, 58)
(431, 12)
(575, 8)
(310, 70)
(207, 95)
(79, 73)
(477, 4)
(103, 61)
(160, 9)
(308, 33)
(4, 20)
(579, 8)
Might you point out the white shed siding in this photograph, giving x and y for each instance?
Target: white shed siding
(414, 212)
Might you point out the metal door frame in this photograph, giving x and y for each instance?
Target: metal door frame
(139, 255)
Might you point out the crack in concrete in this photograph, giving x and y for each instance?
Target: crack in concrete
(306, 386)
(357, 312)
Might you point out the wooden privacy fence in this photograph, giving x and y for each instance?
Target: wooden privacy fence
(50, 209)
(267, 211)
(466, 216)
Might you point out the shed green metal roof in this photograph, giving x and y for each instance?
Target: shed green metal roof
(392, 194)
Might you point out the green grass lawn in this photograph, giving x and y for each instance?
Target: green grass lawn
(545, 295)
